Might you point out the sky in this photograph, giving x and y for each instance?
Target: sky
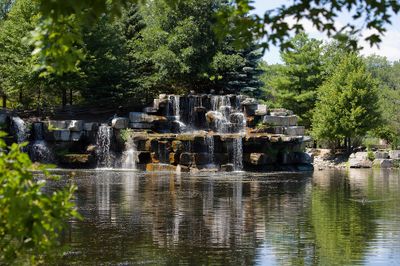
(389, 47)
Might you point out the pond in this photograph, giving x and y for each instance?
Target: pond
(322, 218)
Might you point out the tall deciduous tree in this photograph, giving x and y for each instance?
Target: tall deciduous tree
(347, 105)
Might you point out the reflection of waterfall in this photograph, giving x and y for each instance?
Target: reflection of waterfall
(129, 156)
(237, 154)
(38, 149)
(103, 198)
(19, 129)
(103, 144)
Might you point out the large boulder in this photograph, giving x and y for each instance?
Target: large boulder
(261, 110)
(119, 122)
(381, 155)
(294, 131)
(280, 112)
(394, 154)
(140, 125)
(359, 160)
(213, 116)
(57, 124)
(290, 120)
(139, 117)
(383, 163)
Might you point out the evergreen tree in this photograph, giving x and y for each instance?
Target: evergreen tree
(347, 105)
(296, 85)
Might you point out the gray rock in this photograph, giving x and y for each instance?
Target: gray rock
(61, 135)
(250, 109)
(3, 119)
(140, 125)
(294, 131)
(57, 124)
(90, 126)
(75, 125)
(249, 101)
(394, 154)
(280, 112)
(359, 160)
(138, 117)
(150, 110)
(290, 120)
(120, 123)
(213, 116)
(261, 110)
(381, 155)
(382, 163)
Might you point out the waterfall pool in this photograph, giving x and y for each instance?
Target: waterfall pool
(325, 218)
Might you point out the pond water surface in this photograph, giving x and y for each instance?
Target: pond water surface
(321, 218)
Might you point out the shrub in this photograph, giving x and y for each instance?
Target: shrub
(30, 220)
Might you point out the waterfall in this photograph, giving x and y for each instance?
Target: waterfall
(174, 100)
(129, 156)
(103, 143)
(238, 153)
(210, 148)
(38, 150)
(238, 122)
(19, 129)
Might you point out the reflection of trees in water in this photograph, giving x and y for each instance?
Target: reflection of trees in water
(172, 219)
(346, 209)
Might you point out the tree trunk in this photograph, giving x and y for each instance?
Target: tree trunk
(4, 101)
(20, 96)
(70, 96)
(64, 98)
(348, 145)
(38, 102)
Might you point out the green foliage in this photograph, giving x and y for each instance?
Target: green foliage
(294, 84)
(347, 103)
(233, 18)
(30, 219)
(387, 75)
(370, 155)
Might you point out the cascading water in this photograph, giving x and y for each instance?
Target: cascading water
(38, 150)
(19, 129)
(175, 102)
(129, 156)
(238, 153)
(103, 143)
(210, 148)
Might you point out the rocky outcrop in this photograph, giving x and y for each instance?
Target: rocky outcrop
(360, 160)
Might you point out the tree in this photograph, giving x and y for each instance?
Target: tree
(295, 86)
(237, 70)
(30, 220)
(387, 75)
(15, 53)
(372, 15)
(347, 105)
(179, 42)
